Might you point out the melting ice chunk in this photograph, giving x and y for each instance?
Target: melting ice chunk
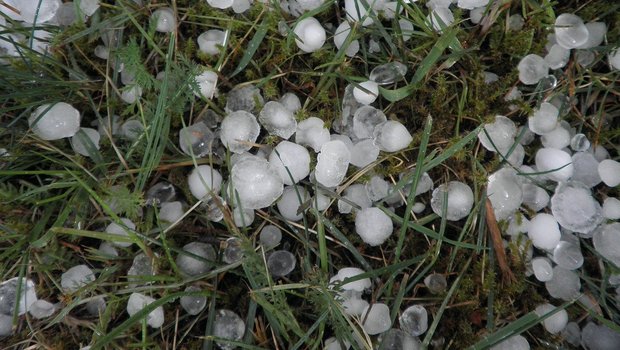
(414, 320)
(460, 200)
(42, 309)
(196, 140)
(270, 236)
(556, 163)
(9, 299)
(239, 131)
(607, 242)
(532, 68)
(196, 259)
(310, 35)
(388, 73)
(392, 136)
(209, 41)
(570, 31)
(499, 135)
(365, 119)
(257, 183)
(291, 161)
(311, 132)
(505, 192)
(76, 277)
(280, 263)
(376, 319)
(204, 182)
(373, 226)
(138, 301)
(332, 163)
(555, 323)
(193, 304)
(564, 284)
(53, 122)
(277, 119)
(609, 171)
(574, 207)
(166, 21)
(229, 326)
(246, 98)
(544, 231)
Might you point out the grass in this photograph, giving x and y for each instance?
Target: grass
(55, 204)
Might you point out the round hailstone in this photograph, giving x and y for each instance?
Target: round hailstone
(535, 197)
(280, 263)
(131, 93)
(36, 11)
(312, 132)
(166, 20)
(555, 163)
(599, 337)
(206, 82)
(291, 161)
(414, 320)
(257, 183)
(532, 68)
(543, 271)
(392, 136)
(192, 266)
(614, 59)
(544, 231)
(277, 119)
(377, 188)
(397, 339)
(88, 7)
(243, 218)
(42, 309)
(568, 255)
(270, 236)
(574, 207)
(505, 192)
(245, 98)
(572, 334)
(229, 326)
(76, 277)
(366, 92)
(357, 10)
(364, 152)
(471, 4)
(332, 163)
(564, 284)
(54, 122)
(6, 327)
(373, 226)
(460, 200)
(220, 4)
(376, 318)
(586, 169)
(557, 57)
(239, 131)
(557, 138)
(352, 302)
(196, 140)
(355, 194)
(609, 171)
(340, 35)
(579, 143)
(138, 301)
(85, 140)
(204, 182)
(171, 211)
(570, 31)
(293, 197)
(193, 304)
(388, 73)
(436, 283)
(359, 285)
(116, 229)
(499, 135)
(290, 101)
(555, 323)
(607, 242)
(516, 342)
(596, 35)
(210, 41)
(611, 208)
(310, 35)
(544, 119)
(475, 15)
(440, 18)
(365, 119)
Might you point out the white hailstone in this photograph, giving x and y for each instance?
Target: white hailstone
(418, 207)
(565, 284)
(607, 242)
(376, 319)
(291, 102)
(544, 119)
(557, 57)
(228, 326)
(270, 236)
(66, 16)
(352, 302)
(131, 93)
(256, 182)
(321, 200)
(392, 136)
(579, 143)
(599, 337)
(388, 73)
(132, 129)
(357, 10)
(280, 263)
(584, 58)
(332, 163)
(475, 15)
(363, 153)
(374, 47)
(106, 248)
(366, 92)
(568, 255)
(36, 11)
(460, 200)
(599, 152)
(121, 230)
(471, 4)
(373, 226)
(88, 7)
(310, 35)
(532, 68)
(291, 161)
(574, 207)
(6, 325)
(109, 126)
(611, 208)
(85, 140)
(221, 4)
(596, 35)
(534, 197)
(609, 171)
(570, 31)
(196, 140)
(243, 217)
(138, 301)
(572, 334)
(171, 211)
(207, 84)
(312, 132)
(239, 130)
(240, 6)
(192, 266)
(516, 22)
(414, 320)
(340, 36)
(210, 41)
(440, 18)
(277, 120)
(490, 77)
(406, 28)
(193, 304)
(499, 135)
(517, 224)
(293, 197)
(166, 20)
(556, 163)
(332, 343)
(525, 135)
(359, 285)
(377, 188)
(365, 119)
(555, 323)
(586, 169)
(436, 283)
(515, 342)
(614, 59)
(42, 309)
(9, 300)
(543, 271)
(244, 98)
(53, 122)
(355, 194)
(504, 190)
(558, 138)
(515, 158)
(204, 182)
(544, 231)
(76, 277)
